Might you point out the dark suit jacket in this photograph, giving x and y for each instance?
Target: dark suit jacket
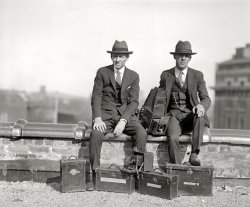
(104, 97)
(196, 88)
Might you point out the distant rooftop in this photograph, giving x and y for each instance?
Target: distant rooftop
(242, 52)
(242, 56)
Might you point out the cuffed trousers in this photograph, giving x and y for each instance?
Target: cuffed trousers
(180, 123)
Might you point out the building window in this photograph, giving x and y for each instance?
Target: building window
(242, 83)
(241, 123)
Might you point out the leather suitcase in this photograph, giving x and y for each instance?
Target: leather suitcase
(158, 184)
(115, 179)
(73, 174)
(193, 180)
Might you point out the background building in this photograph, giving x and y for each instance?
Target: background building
(232, 91)
(13, 105)
(43, 106)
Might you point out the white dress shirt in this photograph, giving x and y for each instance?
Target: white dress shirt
(184, 74)
(121, 71)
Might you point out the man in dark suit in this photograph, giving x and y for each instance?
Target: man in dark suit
(114, 103)
(187, 101)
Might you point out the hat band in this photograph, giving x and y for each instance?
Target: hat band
(118, 49)
(183, 51)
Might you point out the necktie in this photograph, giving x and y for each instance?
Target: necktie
(118, 77)
(180, 79)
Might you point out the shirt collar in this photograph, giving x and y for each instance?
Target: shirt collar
(178, 71)
(121, 70)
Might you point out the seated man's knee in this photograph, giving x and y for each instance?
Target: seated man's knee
(139, 129)
(96, 135)
(200, 119)
(173, 137)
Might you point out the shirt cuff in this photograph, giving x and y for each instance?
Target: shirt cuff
(124, 120)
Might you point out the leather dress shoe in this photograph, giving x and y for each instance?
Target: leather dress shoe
(90, 186)
(194, 160)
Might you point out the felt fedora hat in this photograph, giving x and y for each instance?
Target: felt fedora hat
(183, 47)
(120, 48)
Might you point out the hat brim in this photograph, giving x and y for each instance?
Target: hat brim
(120, 52)
(176, 53)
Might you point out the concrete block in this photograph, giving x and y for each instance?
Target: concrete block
(224, 148)
(60, 143)
(244, 172)
(6, 141)
(16, 148)
(237, 149)
(61, 151)
(227, 173)
(25, 156)
(17, 142)
(213, 148)
(38, 149)
(27, 141)
(38, 141)
(49, 142)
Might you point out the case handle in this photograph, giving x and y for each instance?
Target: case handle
(161, 171)
(114, 166)
(72, 156)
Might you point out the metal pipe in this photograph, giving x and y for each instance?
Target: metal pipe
(23, 129)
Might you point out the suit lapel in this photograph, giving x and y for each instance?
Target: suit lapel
(170, 79)
(190, 81)
(125, 79)
(112, 76)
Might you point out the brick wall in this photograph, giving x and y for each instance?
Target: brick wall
(47, 149)
(229, 161)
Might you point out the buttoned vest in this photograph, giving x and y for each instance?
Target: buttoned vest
(179, 99)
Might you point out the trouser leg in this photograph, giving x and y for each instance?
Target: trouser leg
(173, 135)
(196, 125)
(95, 145)
(197, 135)
(136, 130)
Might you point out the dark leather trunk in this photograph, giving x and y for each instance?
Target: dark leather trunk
(114, 180)
(193, 180)
(73, 175)
(158, 184)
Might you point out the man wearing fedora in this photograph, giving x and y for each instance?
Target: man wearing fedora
(114, 103)
(187, 103)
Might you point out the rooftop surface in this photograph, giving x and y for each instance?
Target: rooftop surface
(229, 193)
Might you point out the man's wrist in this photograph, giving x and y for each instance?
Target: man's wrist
(97, 119)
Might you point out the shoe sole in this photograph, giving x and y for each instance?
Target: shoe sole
(195, 163)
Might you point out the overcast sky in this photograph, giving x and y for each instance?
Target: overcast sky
(62, 43)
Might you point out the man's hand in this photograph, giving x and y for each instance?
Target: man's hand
(199, 110)
(99, 125)
(120, 127)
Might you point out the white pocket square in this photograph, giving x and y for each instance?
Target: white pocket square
(129, 87)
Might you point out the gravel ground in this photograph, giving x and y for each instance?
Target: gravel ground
(29, 194)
